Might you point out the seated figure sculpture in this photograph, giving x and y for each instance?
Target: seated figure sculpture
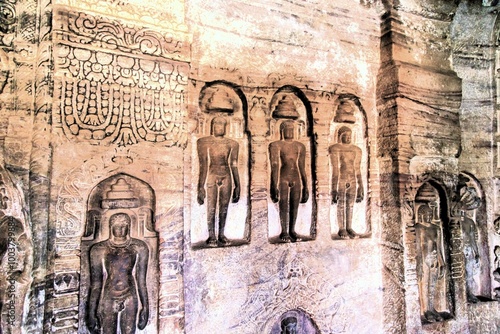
(289, 325)
(347, 183)
(288, 179)
(113, 301)
(432, 263)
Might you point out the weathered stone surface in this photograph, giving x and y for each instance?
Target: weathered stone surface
(265, 167)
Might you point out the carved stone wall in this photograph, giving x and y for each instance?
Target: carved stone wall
(281, 167)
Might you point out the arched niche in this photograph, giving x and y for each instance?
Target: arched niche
(294, 322)
(120, 195)
(349, 164)
(16, 255)
(220, 201)
(433, 253)
(291, 111)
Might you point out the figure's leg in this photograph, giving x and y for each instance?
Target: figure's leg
(109, 309)
(295, 192)
(225, 190)
(432, 293)
(469, 278)
(283, 207)
(350, 197)
(212, 192)
(424, 285)
(128, 317)
(341, 211)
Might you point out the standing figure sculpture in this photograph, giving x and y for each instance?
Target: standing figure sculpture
(288, 179)
(218, 157)
(347, 183)
(432, 263)
(118, 268)
(467, 199)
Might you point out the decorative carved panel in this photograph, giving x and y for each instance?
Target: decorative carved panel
(118, 84)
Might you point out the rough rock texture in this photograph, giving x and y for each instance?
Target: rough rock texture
(239, 139)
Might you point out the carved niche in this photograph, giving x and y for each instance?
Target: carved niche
(291, 201)
(16, 256)
(119, 258)
(469, 212)
(295, 322)
(121, 84)
(349, 161)
(220, 210)
(432, 250)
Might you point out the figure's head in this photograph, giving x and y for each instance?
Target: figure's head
(344, 135)
(218, 127)
(287, 130)
(289, 325)
(425, 213)
(119, 224)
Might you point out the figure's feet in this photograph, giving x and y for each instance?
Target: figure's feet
(223, 241)
(284, 237)
(343, 233)
(351, 233)
(212, 242)
(293, 236)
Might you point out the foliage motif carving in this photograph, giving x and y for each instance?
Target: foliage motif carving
(98, 31)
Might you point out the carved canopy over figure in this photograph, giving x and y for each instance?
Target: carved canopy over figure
(432, 260)
(118, 268)
(288, 179)
(218, 181)
(347, 182)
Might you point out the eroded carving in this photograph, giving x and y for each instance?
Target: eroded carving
(218, 181)
(16, 257)
(118, 268)
(347, 182)
(432, 267)
(107, 98)
(295, 322)
(288, 179)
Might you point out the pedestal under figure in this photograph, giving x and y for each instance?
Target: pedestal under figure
(432, 261)
(288, 179)
(347, 183)
(218, 158)
(118, 268)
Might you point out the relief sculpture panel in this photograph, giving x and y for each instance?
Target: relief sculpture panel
(120, 88)
(16, 256)
(290, 205)
(433, 272)
(220, 214)
(349, 163)
(119, 265)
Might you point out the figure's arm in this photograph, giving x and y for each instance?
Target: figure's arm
(203, 163)
(274, 156)
(233, 163)
(303, 175)
(360, 192)
(474, 239)
(96, 276)
(27, 247)
(334, 161)
(440, 253)
(141, 272)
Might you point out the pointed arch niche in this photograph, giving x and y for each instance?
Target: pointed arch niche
(121, 194)
(220, 162)
(290, 107)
